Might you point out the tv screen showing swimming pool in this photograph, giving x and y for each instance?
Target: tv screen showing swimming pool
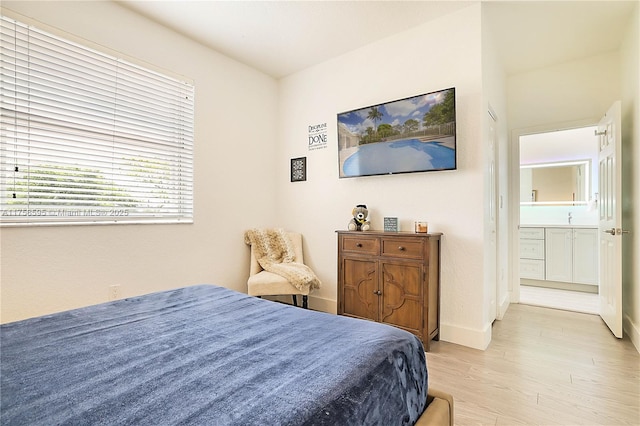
(416, 134)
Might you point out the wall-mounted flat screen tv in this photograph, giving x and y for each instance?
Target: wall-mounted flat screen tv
(416, 134)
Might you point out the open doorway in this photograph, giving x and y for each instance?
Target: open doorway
(559, 219)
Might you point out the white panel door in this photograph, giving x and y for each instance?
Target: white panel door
(610, 219)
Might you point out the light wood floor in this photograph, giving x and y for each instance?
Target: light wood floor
(576, 301)
(543, 367)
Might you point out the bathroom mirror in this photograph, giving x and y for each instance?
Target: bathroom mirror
(563, 183)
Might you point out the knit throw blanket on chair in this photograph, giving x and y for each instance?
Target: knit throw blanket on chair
(275, 253)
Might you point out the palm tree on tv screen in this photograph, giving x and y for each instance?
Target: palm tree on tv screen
(375, 115)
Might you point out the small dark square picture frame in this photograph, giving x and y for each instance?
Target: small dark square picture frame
(299, 169)
(391, 224)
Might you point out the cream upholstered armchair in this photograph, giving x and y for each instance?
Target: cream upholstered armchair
(265, 283)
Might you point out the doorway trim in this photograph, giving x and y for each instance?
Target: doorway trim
(514, 192)
(492, 216)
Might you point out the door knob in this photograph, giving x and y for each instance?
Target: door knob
(616, 231)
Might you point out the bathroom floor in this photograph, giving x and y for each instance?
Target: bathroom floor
(575, 301)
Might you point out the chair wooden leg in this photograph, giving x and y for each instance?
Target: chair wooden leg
(304, 302)
(295, 300)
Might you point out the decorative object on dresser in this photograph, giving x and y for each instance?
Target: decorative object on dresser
(391, 224)
(359, 220)
(392, 278)
(421, 227)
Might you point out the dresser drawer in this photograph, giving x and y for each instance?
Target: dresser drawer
(361, 244)
(532, 249)
(532, 269)
(405, 248)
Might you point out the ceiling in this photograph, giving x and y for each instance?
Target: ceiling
(283, 37)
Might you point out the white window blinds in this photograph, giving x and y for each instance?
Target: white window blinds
(88, 137)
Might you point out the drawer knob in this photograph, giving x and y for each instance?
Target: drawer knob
(378, 292)
(401, 248)
(358, 244)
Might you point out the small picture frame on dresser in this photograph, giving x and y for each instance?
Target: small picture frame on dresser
(391, 224)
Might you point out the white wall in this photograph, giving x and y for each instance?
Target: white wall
(630, 88)
(560, 146)
(568, 92)
(495, 98)
(437, 55)
(48, 269)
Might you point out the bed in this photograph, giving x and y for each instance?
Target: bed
(208, 355)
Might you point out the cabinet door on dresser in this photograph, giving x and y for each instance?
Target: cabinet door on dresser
(359, 289)
(403, 282)
(358, 276)
(402, 295)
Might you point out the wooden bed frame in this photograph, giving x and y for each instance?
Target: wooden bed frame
(439, 411)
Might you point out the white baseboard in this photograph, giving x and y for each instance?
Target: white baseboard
(503, 306)
(632, 330)
(477, 339)
(315, 303)
(323, 305)
(473, 338)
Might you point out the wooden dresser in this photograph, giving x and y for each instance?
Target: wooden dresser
(392, 278)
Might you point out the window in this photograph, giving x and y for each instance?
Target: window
(87, 137)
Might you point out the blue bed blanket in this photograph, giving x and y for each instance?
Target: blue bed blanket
(206, 355)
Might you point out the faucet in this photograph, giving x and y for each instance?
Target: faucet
(569, 218)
